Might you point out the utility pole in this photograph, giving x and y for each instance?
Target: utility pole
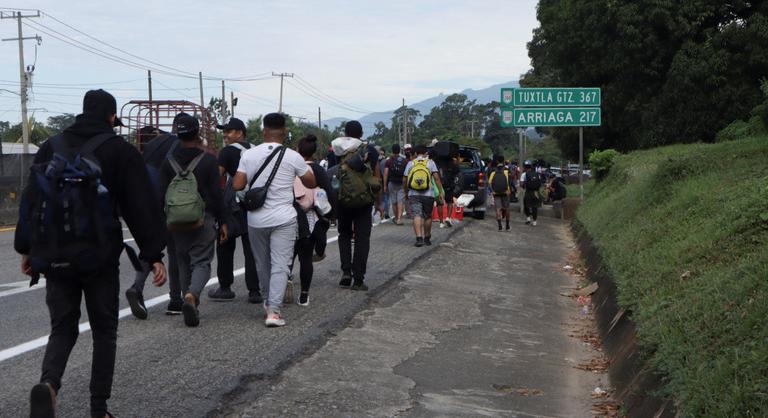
(232, 101)
(282, 76)
(223, 104)
(319, 119)
(202, 100)
(24, 75)
(151, 106)
(472, 127)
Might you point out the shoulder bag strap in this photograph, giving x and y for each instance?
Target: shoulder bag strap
(274, 169)
(263, 166)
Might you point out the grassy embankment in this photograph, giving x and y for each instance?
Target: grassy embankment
(684, 232)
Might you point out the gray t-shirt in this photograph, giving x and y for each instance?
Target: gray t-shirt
(432, 169)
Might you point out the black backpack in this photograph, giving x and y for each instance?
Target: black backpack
(397, 170)
(532, 181)
(500, 183)
(66, 213)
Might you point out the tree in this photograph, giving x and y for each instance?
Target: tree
(382, 135)
(219, 109)
(37, 132)
(57, 124)
(670, 71)
(253, 130)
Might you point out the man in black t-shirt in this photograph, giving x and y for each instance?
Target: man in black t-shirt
(229, 159)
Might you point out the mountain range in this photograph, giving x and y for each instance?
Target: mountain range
(482, 96)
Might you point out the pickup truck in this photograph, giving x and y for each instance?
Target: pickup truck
(472, 179)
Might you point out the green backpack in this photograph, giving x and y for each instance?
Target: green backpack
(357, 189)
(184, 207)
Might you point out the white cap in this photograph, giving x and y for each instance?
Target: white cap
(407, 146)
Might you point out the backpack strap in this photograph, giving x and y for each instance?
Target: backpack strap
(172, 148)
(192, 165)
(238, 146)
(174, 165)
(94, 143)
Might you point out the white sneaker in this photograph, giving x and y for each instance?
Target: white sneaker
(528, 220)
(533, 223)
(274, 320)
(442, 225)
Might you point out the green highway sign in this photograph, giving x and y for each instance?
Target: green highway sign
(551, 97)
(549, 117)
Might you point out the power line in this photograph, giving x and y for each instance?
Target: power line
(181, 73)
(326, 101)
(95, 51)
(309, 85)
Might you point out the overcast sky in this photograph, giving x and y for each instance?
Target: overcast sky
(366, 54)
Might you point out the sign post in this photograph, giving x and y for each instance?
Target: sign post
(552, 107)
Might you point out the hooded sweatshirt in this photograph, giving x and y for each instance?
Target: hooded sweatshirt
(126, 178)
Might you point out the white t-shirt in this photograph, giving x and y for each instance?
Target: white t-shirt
(432, 169)
(278, 208)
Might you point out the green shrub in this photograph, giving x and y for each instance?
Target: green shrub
(600, 162)
(684, 232)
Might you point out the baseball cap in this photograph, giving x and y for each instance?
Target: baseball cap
(100, 104)
(186, 124)
(234, 124)
(407, 146)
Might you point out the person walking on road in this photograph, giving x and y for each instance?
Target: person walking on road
(419, 175)
(500, 187)
(155, 152)
(82, 258)
(530, 181)
(358, 176)
(194, 205)
(229, 159)
(394, 169)
(311, 208)
(269, 170)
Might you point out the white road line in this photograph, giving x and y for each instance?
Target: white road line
(24, 288)
(28, 346)
(15, 284)
(85, 326)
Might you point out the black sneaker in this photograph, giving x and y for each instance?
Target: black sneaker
(255, 297)
(427, 240)
(136, 302)
(419, 242)
(360, 286)
(221, 294)
(174, 307)
(346, 280)
(42, 402)
(189, 309)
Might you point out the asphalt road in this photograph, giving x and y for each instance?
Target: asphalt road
(165, 369)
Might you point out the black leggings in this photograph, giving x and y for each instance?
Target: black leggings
(305, 247)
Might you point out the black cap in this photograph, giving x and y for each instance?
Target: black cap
(234, 124)
(353, 129)
(186, 124)
(274, 121)
(100, 104)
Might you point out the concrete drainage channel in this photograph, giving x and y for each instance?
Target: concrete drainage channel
(630, 373)
(259, 382)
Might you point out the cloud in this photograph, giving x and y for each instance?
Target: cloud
(368, 54)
